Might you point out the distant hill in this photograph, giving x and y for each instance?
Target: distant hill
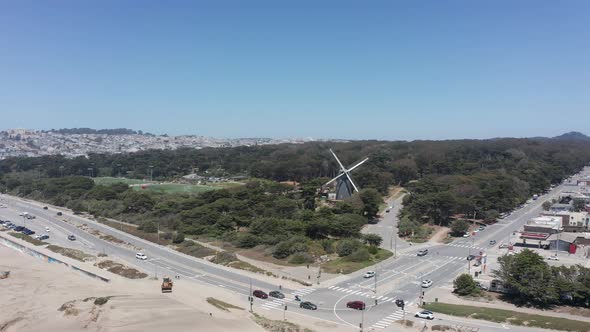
(117, 131)
(573, 136)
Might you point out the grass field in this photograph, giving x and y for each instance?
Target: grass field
(510, 317)
(170, 188)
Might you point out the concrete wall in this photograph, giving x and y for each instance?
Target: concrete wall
(45, 257)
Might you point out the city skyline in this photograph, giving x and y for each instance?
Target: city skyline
(343, 70)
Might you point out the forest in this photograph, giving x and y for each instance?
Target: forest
(477, 178)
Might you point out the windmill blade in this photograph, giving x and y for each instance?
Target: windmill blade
(357, 165)
(338, 160)
(334, 179)
(350, 179)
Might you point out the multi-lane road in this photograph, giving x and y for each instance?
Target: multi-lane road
(397, 278)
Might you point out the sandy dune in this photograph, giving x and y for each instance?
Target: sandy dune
(31, 296)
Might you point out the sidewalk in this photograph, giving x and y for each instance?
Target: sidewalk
(446, 296)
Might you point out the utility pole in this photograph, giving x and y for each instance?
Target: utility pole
(375, 289)
(362, 320)
(251, 298)
(158, 223)
(151, 172)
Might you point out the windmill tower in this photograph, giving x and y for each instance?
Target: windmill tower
(345, 187)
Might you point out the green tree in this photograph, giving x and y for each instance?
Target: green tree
(372, 239)
(529, 277)
(459, 227)
(371, 199)
(579, 205)
(465, 285)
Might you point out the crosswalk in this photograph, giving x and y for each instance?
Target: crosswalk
(464, 246)
(448, 258)
(273, 303)
(385, 322)
(367, 294)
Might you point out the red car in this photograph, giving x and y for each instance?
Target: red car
(260, 294)
(358, 305)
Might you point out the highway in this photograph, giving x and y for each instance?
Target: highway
(397, 278)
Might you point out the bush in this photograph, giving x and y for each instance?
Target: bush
(149, 227)
(300, 258)
(373, 250)
(178, 238)
(459, 227)
(282, 250)
(465, 285)
(168, 236)
(359, 255)
(246, 240)
(347, 246)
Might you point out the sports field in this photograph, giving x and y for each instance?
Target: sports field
(170, 188)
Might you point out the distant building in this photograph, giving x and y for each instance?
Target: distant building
(561, 207)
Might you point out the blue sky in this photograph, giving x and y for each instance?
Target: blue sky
(323, 69)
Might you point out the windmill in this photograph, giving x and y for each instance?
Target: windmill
(345, 187)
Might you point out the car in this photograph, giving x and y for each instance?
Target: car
(45, 208)
(369, 274)
(425, 314)
(426, 283)
(477, 263)
(466, 235)
(308, 305)
(492, 242)
(30, 216)
(481, 286)
(399, 303)
(470, 257)
(387, 211)
(59, 213)
(260, 294)
(141, 256)
(482, 228)
(276, 294)
(72, 238)
(423, 252)
(19, 228)
(358, 305)
(43, 237)
(553, 258)
(503, 246)
(28, 232)
(47, 229)
(22, 214)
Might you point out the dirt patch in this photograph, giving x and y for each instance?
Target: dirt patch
(584, 312)
(72, 253)
(222, 305)
(69, 308)
(278, 325)
(439, 234)
(120, 269)
(6, 325)
(395, 192)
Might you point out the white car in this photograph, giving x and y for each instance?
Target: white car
(466, 235)
(426, 283)
(369, 274)
(141, 256)
(425, 314)
(47, 229)
(553, 258)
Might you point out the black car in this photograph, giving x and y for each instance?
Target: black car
(43, 237)
(28, 231)
(59, 213)
(423, 252)
(19, 228)
(45, 208)
(276, 294)
(308, 305)
(72, 238)
(470, 257)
